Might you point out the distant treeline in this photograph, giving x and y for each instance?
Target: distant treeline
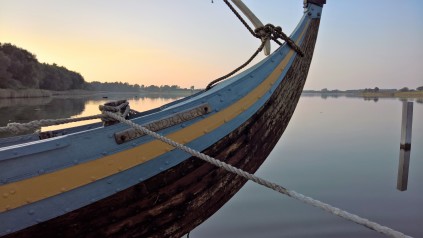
(366, 90)
(20, 69)
(125, 87)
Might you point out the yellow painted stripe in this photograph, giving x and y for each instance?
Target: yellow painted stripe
(37, 188)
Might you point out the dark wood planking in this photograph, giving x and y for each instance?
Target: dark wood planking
(179, 199)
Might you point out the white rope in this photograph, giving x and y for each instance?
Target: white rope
(115, 107)
(308, 200)
(34, 125)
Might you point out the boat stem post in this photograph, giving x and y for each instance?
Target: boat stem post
(405, 145)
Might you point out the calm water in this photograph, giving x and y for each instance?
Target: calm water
(343, 151)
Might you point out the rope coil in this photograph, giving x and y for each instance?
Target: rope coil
(120, 108)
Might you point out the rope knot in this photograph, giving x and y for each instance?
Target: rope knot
(120, 107)
(265, 32)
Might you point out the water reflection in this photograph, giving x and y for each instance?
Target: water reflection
(342, 151)
(335, 150)
(374, 99)
(403, 168)
(25, 110)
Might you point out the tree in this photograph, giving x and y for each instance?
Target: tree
(23, 66)
(6, 79)
(21, 69)
(419, 88)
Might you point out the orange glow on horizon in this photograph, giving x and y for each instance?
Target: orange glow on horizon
(135, 63)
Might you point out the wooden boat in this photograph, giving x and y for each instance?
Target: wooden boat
(111, 181)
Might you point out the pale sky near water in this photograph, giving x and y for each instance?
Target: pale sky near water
(361, 43)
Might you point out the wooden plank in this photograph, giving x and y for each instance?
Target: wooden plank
(177, 118)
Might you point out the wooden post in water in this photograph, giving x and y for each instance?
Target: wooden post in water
(405, 145)
(407, 121)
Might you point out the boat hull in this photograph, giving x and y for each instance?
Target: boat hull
(175, 201)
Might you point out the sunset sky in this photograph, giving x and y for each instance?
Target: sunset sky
(361, 43)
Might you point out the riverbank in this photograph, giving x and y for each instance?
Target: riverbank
(398, 94)
(25, 93)
(37, 93)
(108, 94)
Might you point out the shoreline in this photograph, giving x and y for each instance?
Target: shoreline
(24, 93)
(40, 93)
(412, 94)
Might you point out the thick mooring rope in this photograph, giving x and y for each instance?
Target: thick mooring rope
(120, 107)
(17, 128)
(308, 200)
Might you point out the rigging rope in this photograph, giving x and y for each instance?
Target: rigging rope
(210, 85)
(267, 32)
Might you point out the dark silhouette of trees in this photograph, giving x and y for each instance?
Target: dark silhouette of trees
(125, 87)
(56, 77)
(115, 86)
(20, 69)
(404, 89)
